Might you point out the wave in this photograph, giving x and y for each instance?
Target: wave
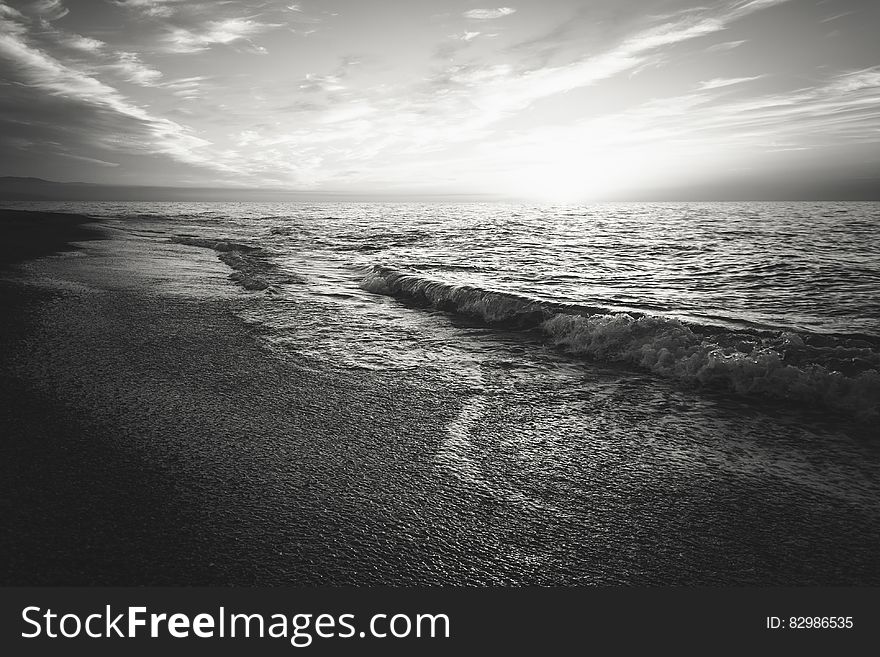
(251, 264)
(839, 372)
(221, 245)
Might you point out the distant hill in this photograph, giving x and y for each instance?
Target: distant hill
(14, 188)
(37, 189)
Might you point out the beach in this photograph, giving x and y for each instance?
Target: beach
(150, 441)
(152, 435)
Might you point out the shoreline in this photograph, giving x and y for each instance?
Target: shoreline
(150, 440)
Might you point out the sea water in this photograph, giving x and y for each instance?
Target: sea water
(778, 300)
(622, 370)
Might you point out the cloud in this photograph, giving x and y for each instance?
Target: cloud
(9, 12)
(836, 16)
(459, 105)
(501, 94)
(746, 7)
(223, 32)
(82, 43)
(717, 83)
(726, 45)
(488, 14)
(190, 19)
(49, 10)
(301, 120)
(661, 140)
(466, 36)
(97, 112)
(347, 112)
(100, 56)
(324, 83)
(127, 65)
(90, 160)
(155, 8)
(11, 21)
(866, 78)
(841, 108)
(185, 88)
(130, 66)
(331, 82)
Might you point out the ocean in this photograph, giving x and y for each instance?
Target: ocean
(616, 367)
(760, 300)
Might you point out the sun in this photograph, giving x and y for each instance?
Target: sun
(557, 185)
(563, 175)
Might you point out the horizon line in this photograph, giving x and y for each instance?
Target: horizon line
(363, 196)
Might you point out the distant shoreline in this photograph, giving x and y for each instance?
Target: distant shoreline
(16, 189)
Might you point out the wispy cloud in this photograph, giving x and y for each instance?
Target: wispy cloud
(136, 128)
(90, 160)
(156, 8)
(859, 80)
(725, 45)
(661, 140)
(842, 14)
(82, 43)
(49, 10)
(125, 65)
(9, 12)
(839, 109)
(460, 104)
(717, 83)
(330, 82)
(466, 36)
(315, 82)
(498, 93)
(603, 90)
(489, 14)
(185, 88)
(223, 32)
(133, 70)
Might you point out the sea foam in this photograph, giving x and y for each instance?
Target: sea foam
(837, 372)
(250, 263)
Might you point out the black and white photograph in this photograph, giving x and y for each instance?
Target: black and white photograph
(338, 293)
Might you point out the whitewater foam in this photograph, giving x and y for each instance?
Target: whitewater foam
(838, 372)
(251, 264)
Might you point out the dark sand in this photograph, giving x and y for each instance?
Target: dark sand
(151, 439)
(28, 235)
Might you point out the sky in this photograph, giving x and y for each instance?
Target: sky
(549, 100)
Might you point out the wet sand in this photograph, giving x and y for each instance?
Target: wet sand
(150, 438)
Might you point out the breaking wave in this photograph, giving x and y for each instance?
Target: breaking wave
(839, 372)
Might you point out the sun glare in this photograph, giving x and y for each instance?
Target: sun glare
(561, 176)
(553, 184)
